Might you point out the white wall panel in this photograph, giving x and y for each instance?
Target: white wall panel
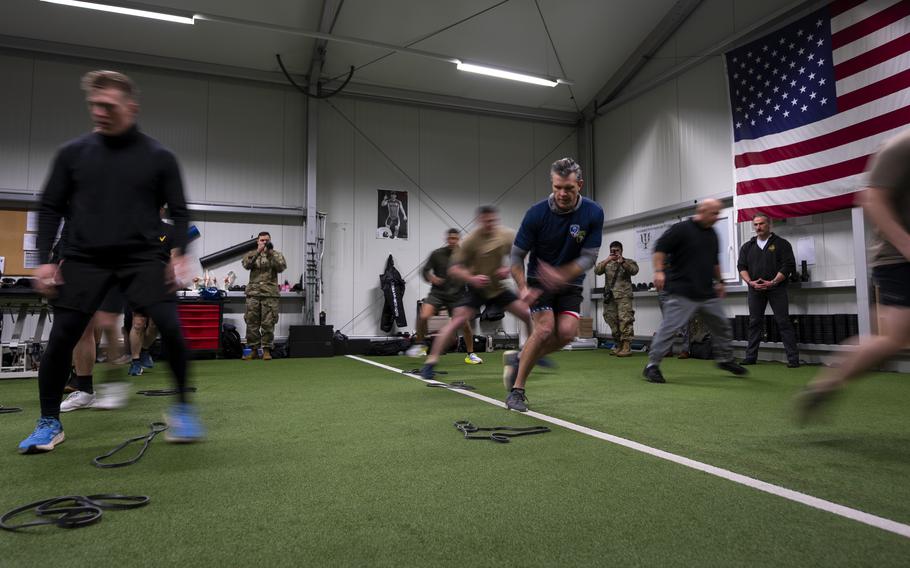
(654, 149)
(58, 114)
(704, 132)
(294, 166)
(245, 157)
(612, 135)
(173, 109)
(15, 117)
(461, 160)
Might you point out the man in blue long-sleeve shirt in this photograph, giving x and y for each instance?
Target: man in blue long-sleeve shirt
(109, 185)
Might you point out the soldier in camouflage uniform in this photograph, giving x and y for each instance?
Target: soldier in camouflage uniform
(262, 295)
(618, 311)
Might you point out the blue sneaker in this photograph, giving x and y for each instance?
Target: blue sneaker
(135, 368)
(427, 373)
(145, 359)
(183, 426)
(48, 433)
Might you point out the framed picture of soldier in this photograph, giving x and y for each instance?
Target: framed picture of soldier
(391, 214)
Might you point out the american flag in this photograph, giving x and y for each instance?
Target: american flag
(813, 101)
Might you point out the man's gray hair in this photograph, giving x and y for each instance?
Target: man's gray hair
(565, 167)
(763, 216)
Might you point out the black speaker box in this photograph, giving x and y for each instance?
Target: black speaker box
(300, 333)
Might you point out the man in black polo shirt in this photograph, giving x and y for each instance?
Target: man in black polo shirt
(110, 185)
(693, 284)
(765, 263)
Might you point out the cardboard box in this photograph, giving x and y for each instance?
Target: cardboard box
(586, 327)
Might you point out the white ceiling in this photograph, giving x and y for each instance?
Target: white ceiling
(592, 38)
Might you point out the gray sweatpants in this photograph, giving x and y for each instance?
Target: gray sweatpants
(678, 310)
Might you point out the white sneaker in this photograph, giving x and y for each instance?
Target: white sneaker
(112, 396)
(76, 401)
(473, 359)
(417, 350)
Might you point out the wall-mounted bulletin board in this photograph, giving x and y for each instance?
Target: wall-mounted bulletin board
(13, 228)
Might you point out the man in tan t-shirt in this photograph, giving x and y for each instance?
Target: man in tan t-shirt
(478, 262)
(886, 202)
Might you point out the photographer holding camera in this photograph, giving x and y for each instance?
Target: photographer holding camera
(618, 311)
(262, 296)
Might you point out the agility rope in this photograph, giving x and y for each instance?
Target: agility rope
(454, 385)
(501, 434)
(72, 511)
(164, 392)
(155, 428)
(9, 409)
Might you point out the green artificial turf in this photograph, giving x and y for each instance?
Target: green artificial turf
(313, 462)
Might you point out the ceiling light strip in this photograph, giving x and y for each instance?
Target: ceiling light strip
(503, 74)
(126, 11)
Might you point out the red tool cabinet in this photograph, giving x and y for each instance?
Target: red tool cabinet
(201, 324)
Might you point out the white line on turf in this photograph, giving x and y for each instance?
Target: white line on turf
(814, 502)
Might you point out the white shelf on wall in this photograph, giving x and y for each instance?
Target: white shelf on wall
(597, 293)
(800, 346)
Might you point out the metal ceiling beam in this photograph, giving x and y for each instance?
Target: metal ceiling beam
(779, 18)
(330, 9)
(642, 54)
(28, 47)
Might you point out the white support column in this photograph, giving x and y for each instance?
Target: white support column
(312, 130)
(860, 264)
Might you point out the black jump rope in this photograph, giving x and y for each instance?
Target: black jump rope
(76, 511)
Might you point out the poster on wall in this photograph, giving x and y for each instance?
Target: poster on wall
(392, 214)
(646, 237)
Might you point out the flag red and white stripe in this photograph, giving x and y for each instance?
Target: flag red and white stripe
(819, 167)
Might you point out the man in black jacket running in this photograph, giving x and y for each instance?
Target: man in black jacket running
(765, 264)
(110, 185)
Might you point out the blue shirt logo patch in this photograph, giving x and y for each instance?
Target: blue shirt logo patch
(576, 233)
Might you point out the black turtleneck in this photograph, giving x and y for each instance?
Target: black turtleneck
(110, 189)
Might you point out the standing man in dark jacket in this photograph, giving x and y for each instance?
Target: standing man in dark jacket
(109, 185)
(765, 263)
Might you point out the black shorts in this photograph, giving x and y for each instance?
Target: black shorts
(112, 302)
(893, 281)
(86, 284)
(472, 299)
(439, 301)
(565, 301)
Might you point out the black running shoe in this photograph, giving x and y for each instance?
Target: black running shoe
(732, 367)
(652, 374)
(793, 365)
(748, 362)
(517, 401)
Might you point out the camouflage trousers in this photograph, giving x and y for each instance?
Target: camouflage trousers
(261, 317)
(620, 316)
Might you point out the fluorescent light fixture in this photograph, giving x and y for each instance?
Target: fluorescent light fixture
(126, 11)
(503, 74)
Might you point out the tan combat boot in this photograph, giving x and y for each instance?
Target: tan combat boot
(626, 350)
(266, 354)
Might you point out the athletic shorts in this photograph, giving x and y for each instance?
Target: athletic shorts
(112, 302)
(86, 284)
(565, 301)
(472, 299)
(893, 281)
(439, 301)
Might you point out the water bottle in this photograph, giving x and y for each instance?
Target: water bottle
(321, 318)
